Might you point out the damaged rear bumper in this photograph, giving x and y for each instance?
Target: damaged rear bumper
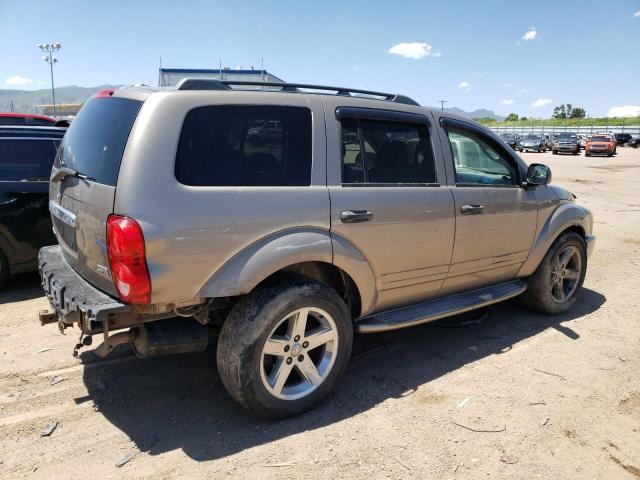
(72, 297)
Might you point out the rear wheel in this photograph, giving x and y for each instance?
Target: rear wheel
(553, 287)
(555, 152)
(283, 347)
(5, 275)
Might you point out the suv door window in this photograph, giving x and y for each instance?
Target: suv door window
(27, 160)
(478, 161)
(383, 152)
(245, 145)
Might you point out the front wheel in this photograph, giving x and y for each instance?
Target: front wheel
(553, 287)
(284, 346)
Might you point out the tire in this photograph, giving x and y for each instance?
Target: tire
(5, 274)
(577, 152)
(269, 312)
(609, 154)
(587, 154)
(545, 295)
(555, 152)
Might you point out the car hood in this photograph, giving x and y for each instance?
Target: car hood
(561, 193)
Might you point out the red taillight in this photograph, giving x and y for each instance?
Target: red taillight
(127, 259)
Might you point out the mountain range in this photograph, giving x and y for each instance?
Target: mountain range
(25, 101)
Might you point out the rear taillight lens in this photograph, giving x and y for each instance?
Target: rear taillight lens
(127, 259)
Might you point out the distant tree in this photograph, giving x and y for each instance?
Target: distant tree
(560, 112)
(578, 112)
(512, 117)
(567, 110)
(523, 118)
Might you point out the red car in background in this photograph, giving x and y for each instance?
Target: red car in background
(7, 118)
(600, 144)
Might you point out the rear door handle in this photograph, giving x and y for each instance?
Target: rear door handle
(471, 209)
(355, 216)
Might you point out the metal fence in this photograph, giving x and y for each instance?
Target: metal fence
(583, 129)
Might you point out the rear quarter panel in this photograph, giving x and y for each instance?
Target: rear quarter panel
(191, 232)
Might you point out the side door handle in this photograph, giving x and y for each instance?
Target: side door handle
(471, 209)
(355, 216)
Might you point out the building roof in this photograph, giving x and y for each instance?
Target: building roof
(168, 77)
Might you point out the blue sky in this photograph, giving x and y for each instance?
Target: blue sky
(473, 54)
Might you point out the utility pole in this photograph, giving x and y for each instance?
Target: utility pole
(49, 50)
(442, 102)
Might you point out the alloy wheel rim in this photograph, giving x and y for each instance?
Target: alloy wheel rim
(565, 274)
(299, 353)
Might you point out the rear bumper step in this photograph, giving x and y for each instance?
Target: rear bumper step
(71, 295)
(440, 308)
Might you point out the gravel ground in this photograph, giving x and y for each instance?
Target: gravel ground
(519, 395)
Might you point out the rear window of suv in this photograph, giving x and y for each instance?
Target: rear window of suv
(245, 145)
(95, 141)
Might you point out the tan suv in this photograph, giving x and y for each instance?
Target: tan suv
(285, 217)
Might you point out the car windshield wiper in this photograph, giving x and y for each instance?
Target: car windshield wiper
(65, 171)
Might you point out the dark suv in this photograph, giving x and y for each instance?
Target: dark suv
(623, 138)
(26, 157)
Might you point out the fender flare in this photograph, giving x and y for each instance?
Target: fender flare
(250, 266)
(566, 215)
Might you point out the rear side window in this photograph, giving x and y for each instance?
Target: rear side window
(27, 160)
(245, 145)
(95, 141)
(12, 121)
(380, 152)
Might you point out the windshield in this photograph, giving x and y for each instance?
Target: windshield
(95, 141)
(600, 138)
(567, 136)
(532, 137)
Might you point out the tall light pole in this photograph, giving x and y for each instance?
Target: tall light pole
(49, 49)
(442, 102)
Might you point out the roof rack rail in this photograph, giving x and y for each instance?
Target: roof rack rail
(215, 84)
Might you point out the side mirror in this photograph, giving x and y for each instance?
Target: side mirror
(538, 174)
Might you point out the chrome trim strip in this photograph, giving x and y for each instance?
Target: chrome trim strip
(62, 214)
(30, 138)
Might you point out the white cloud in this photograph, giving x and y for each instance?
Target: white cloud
(357, 68)
(637, 14)
(436, 54)
(625, 111)
(414, 50)
(530, 35)
(17, 80)
(507, 101)
(466, 86)
(541, 102)
(522, 90)
(506, 85)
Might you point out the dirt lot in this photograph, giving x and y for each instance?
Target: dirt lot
(549, 397)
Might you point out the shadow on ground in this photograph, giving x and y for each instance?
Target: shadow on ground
(24, 286)
(178, 402)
